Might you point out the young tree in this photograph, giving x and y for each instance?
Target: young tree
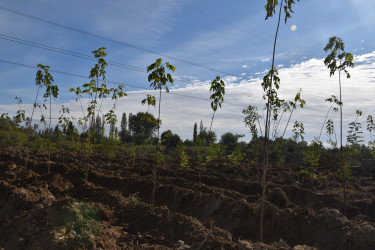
(150, 100)
(64, 122)
(371, 129)
(272, 99)
(218, 89)
(339, 60)
(159, 79)
(96, 89)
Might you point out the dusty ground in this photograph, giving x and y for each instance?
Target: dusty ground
(217, 209)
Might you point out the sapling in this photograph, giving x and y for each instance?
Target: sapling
(236, 156)
(354, 135)
(252, 117)
(44, 78)
(64, 123)
(333, 100)
(96, 89)
(339, 60)
(217, 97)
(20, 114)
(184, 158)
(298, 131)
(312, 154)
(371, 130)
(292, 106)
(150, 100)
(271, 9)
(159, 79)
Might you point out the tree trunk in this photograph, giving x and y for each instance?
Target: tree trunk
(266, 135)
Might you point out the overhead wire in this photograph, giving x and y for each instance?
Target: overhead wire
(107, 39)
(137, 47)
(76, 54)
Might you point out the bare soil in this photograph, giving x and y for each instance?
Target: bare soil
(215, 208)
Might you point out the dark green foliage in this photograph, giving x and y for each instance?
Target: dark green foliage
(124, 133)
(230, 140)
(157, 78)
(170, 140)
(142, 126)
(337, 59)
(271, 8)
(206, 137)
(195, 133)
(217, 97)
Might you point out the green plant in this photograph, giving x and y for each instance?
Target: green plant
(298, 131)
(371, 129)
(94, 90)
(236, 156)
(134, 198)
(184, 162)
(312, 175)
(75, 225)
(44, 78)
(272, 99)
(212, 152)
(339, 60)
(217, 97)
(158, 79)
(150, 100)
(313, 153)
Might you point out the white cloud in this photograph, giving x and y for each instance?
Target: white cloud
(265, 60)
(245, 66)
(243, 74)
(184, 106)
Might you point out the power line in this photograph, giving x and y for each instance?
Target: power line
(75, 54)
(108, 39)
(66, 52)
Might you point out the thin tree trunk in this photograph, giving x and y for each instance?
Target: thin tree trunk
(341, 149)
(320, 134)
(291, 113)
(212, 119)
(156, 155)
(261, 132)
(277, 130)
(266, 133)
(49, 136)
(29, 130)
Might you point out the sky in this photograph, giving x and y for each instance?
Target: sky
(202, 39)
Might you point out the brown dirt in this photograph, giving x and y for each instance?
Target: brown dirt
(221, 211)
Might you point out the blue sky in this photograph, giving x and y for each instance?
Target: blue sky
(226, 38)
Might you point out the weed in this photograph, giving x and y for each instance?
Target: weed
(75, 225)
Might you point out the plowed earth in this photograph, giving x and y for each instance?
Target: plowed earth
(215, 208)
